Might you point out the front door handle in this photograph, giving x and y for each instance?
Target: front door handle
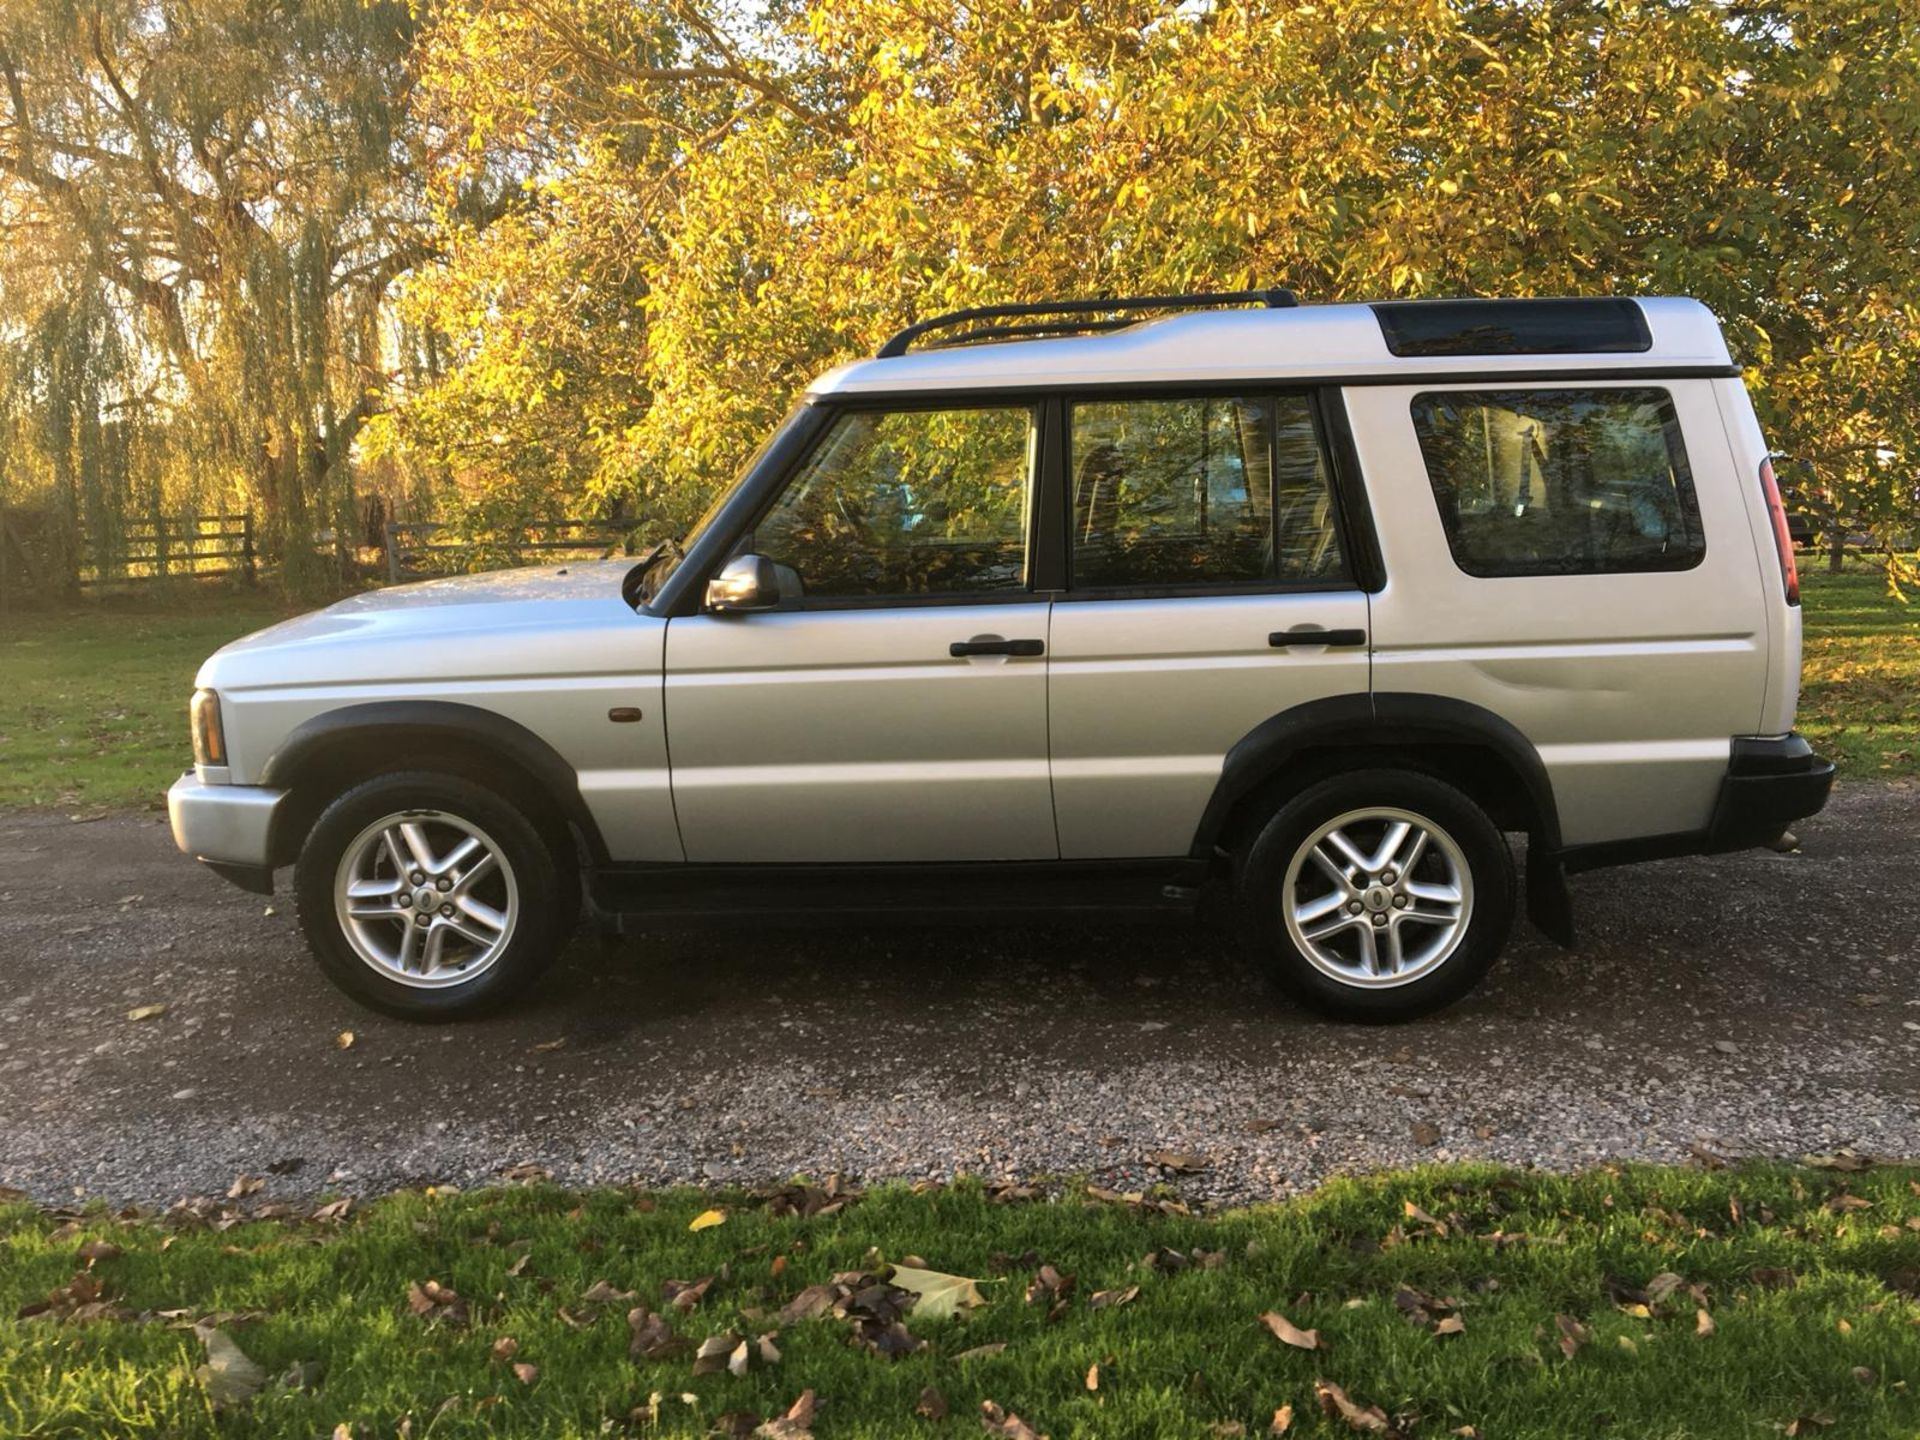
(1281, 639)
(959, 649)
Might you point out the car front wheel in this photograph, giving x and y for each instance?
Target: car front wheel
(428, 896)
(1377, 895)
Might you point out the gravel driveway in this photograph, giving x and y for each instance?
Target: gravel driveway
(1756, 1003)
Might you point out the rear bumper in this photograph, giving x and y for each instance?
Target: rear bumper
(230, 827)
(1771, 782)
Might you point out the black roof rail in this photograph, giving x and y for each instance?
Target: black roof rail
(1274, 299)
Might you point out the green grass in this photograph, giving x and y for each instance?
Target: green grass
(93, 704)
(93, 700)
(1860, 674)
(1812, 1305)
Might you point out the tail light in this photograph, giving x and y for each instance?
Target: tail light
(1782, 538)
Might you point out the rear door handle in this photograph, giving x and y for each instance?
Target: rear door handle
(1281, 639)
(959, 649)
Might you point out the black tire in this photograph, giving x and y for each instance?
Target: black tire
(547, 894)
(1262, 880)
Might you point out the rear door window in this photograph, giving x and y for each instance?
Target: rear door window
(1560, 482)
(1200, 492)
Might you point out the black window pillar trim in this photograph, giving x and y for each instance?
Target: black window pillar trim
(1351, 505)
(685, 589)
(1052, 499)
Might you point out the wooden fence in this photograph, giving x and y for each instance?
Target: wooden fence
(413, 551)
(41, 555)
(179, 546)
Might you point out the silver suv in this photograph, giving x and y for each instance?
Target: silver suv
(1057, 608)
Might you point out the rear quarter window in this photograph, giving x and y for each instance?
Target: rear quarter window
(1560, 482)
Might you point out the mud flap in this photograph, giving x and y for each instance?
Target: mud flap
(1549, 904)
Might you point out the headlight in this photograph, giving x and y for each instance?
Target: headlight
(209, 742)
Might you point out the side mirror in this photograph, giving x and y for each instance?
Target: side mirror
(745, 583)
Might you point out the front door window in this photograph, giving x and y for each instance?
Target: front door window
(906, 503)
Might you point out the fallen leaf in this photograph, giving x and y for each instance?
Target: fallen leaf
(1106, 1299)
(333, 1210)
(1287, 1333)
(146, 1012)
(1282, 1421)
(714, 1352)
(1807, 1424)
(1425, 1132)
(738, 1360)
(651, 1337)
(768, 1351)
(1452, 1325)
(685, 1294)
(343, 1041)
(796, 1424)
(1334, 1401)
(1841, 1203)
(1051, 1289)
(1842, 1159)
(932, 1406)
(230, 1378)
(812, 1301)
(433, 1301)
(526, 1374)
(527, 1172)
(548, 1046)
(505, 1348)
(1181, 1162)
(998, 1422)
(1702, 1323)
(245, 1185)
(100, 1250)
(601, 1293)
(937, 1296)
(707, 1219)
(1572, 1334)
(1663, 1285)
(1093, 1376)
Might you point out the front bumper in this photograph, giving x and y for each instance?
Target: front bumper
(230, 827)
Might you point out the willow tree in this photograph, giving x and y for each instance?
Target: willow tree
(204, 206)
(849, 165)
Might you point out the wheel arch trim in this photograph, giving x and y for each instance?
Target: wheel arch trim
(1381, 719)
(328, 735)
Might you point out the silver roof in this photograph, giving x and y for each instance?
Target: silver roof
(1311, 342)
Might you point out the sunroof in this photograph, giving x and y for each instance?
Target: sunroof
(1514, 327)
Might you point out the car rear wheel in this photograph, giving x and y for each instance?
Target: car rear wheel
(430, 897)
(1377, 895)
